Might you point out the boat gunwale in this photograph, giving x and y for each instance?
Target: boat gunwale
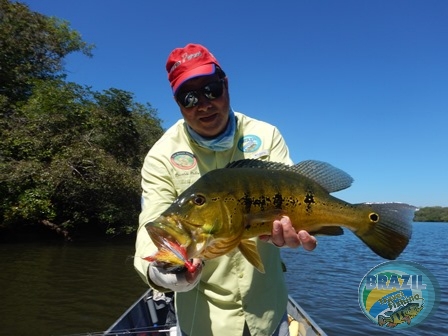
(293, 309)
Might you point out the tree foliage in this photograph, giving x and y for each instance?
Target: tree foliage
(70, 157)
(432, 214)
(32, 46)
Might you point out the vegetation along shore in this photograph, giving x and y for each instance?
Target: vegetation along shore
(70, 156)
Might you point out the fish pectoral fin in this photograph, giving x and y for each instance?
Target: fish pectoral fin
(249, 250)
(327, 231)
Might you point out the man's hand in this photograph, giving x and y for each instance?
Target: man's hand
(178, 281)
(284, 234)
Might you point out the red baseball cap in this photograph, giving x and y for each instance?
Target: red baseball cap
(191, 61)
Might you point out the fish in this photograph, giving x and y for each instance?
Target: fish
(403, 314)
(227, 207)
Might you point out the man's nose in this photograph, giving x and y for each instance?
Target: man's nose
(203, 103)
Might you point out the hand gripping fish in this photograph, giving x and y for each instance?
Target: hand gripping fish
(226, 207)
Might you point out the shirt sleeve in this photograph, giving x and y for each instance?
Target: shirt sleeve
(158, 193)
(279, 150)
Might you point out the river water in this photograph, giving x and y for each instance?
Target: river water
(325, 281)
(61, 289)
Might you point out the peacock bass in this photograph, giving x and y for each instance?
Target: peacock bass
(227, 207)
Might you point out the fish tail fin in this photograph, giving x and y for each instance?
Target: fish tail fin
(391, 232)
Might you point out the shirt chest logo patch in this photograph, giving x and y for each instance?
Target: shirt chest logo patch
(183, 160)
(249, 143)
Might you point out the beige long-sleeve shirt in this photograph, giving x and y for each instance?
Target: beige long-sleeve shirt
(231, 291)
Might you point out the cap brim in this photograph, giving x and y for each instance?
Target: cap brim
(203, 70)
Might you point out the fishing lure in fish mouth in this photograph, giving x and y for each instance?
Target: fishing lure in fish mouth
(174, 253)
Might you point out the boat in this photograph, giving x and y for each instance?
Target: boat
(153, 315)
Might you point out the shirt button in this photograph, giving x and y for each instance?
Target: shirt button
(241, 275)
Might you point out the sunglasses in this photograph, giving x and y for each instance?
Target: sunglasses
(210, 91)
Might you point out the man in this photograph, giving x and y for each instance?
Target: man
(226, 295)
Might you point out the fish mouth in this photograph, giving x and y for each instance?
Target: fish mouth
(168, 229)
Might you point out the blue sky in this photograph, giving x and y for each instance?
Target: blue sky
(361, 84)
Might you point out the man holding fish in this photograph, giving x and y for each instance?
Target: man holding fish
(226, 295)
(221, 194)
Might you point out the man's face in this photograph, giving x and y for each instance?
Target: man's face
(209, 117)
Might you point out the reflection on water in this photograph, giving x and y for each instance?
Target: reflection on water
(67, 289)
(64, 289)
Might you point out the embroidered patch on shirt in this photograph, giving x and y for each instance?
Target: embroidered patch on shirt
(258, 155)
(183, 160)
(249, 143)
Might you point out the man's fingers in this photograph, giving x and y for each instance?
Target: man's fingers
(283, 233)
(308, 242)
(277, 234)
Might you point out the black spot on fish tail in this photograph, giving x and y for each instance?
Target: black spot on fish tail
(374, 217)
(391, 230)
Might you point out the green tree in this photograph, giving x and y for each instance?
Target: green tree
(71, 162)
(432, 214)
(32, 46)
(69, 156)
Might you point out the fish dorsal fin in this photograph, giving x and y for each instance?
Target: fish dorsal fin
(255, 163)
(329, 177)
(249, 250)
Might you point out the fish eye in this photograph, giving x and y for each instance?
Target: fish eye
(198, 199)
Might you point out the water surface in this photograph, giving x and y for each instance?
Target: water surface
(65, 289)
(61, 289)
(325, 281)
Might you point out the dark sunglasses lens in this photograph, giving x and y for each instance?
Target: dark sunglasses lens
(213, 90)
(210, 91)
(189, 99)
